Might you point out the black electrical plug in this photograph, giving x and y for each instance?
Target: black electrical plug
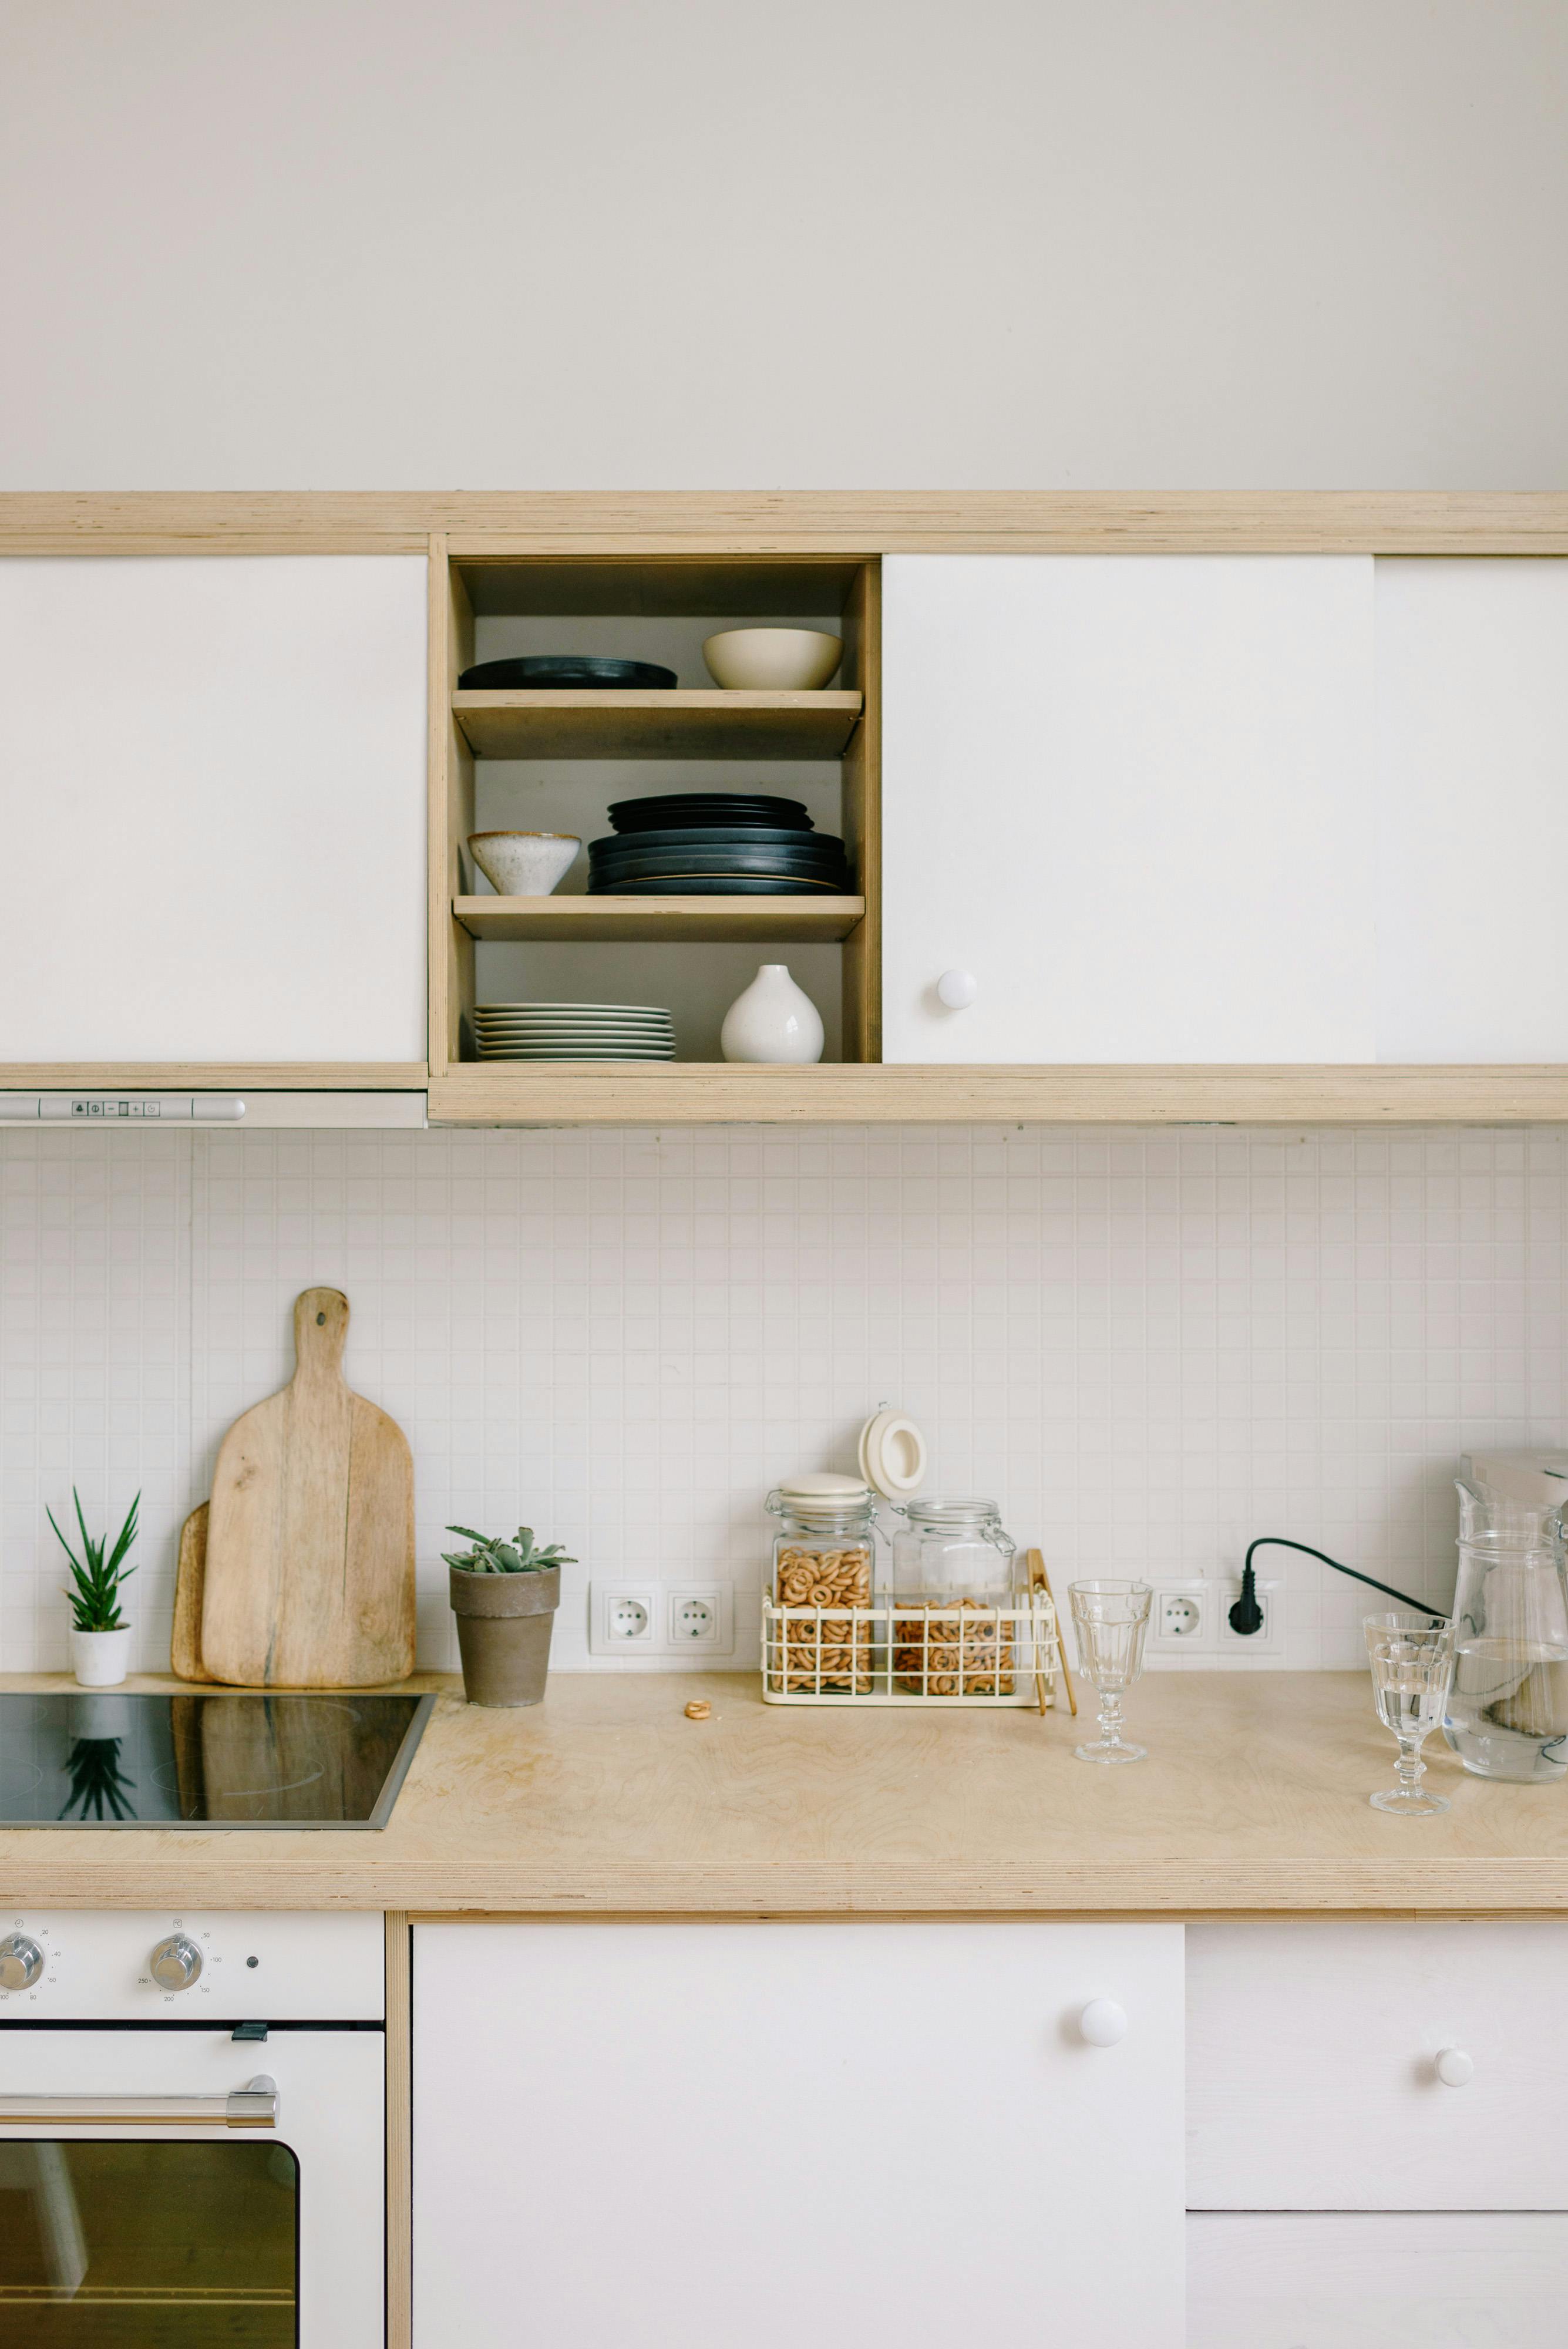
(1247, 1617)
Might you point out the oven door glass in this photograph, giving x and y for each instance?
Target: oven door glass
(110, 2245)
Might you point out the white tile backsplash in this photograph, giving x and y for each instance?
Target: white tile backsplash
(1147, 1345)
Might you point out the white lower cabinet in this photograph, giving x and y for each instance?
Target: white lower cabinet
(1361, 2279)
(1316, 2062)
(835, 2133)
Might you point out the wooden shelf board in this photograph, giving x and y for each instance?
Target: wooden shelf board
(677, 1092)
(850, 523)
(721, 920)
(681, 725)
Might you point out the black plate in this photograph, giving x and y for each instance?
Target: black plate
(717, 884)
(717, 836)
(566, 673)
(708, 807)
(719, 860)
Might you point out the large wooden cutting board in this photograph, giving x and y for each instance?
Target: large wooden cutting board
(310, 1533)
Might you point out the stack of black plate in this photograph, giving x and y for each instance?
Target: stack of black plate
(715, 843)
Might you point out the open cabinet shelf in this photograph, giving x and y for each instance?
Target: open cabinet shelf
(665, 725)
(745, 921)
(682, 950)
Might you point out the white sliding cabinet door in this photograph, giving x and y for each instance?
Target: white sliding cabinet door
(835, 2133)
(1131, 795)
(213, 808)
(1472, 691)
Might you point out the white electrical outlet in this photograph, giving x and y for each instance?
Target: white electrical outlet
(661, 1619)
(624, 1620)
(1183, 1614)
(701, 1618)
(1265, 1641)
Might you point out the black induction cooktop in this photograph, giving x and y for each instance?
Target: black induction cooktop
(209, 1759)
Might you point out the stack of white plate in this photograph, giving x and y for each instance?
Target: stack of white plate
(573, 1031)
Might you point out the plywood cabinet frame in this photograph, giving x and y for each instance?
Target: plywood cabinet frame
(732, 531)
(845, 722)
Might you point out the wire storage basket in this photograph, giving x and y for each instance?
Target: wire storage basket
(906, 1653)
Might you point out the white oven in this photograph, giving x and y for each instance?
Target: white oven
(192, 2130)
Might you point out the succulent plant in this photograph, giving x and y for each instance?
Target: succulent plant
(490, 1555)
(98, 1579)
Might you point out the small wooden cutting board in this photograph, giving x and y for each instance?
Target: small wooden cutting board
(190, 1577)
(310, 1533)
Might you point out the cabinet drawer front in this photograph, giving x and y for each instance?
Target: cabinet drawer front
(831, 2134)
(1359, 2279)
(1312, 2080)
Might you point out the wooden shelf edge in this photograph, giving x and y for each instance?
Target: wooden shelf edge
(662, 920)
(682, 700)
(856, 524)
(206, 1076)
(683, 724)
(707, 1092)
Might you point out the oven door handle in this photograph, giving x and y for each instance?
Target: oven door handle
(255, 2105)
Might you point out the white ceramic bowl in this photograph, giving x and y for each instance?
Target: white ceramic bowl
(771, 660)
(524, 864)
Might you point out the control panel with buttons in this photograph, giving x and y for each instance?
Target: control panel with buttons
(279, 1966)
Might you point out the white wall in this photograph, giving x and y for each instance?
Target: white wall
(1147, 1347)
(665, 243)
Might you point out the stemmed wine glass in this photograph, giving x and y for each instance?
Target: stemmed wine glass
(1110, 1620)
(1412, 1660)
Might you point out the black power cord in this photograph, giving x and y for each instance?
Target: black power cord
(1247, 1617)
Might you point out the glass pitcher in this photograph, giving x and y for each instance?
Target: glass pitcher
(1508, 1714)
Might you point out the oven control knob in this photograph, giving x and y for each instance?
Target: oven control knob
(176, 1962)
(21, 1962)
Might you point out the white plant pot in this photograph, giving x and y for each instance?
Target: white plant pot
(100, 1659)
(774, 1021)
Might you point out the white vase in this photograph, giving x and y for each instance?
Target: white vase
(100, 1659)
(774, 1021)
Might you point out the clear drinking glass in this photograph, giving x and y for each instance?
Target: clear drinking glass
(1109, 1620)
(1412, 1660)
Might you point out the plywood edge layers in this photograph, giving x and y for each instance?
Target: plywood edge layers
(852, 523)
(706, 1093)
(400, 2133)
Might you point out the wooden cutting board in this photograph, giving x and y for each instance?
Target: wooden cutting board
(189, 1578)
(310, 1533)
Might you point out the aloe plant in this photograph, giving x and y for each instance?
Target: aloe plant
(490, 1555)
(95, 1601)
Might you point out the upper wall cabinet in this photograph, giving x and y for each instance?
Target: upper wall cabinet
(1472, 810)
(214, 811)
(1227, 808)
(1129, 796)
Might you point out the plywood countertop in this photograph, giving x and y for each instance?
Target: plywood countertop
(606, 1799)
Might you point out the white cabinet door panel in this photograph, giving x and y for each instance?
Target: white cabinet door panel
(212, 808)
(1312, 2079)
(1132, 795)
(1472, 705)
(1359, 2279)
(837, 2133)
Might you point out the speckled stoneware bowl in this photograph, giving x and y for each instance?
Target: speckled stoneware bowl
(524, 864)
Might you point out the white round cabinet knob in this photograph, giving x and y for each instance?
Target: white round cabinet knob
(956, 990)
(1454, 2068)
(1102, 2022)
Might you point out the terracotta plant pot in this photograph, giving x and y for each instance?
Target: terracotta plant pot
(504, 1623)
